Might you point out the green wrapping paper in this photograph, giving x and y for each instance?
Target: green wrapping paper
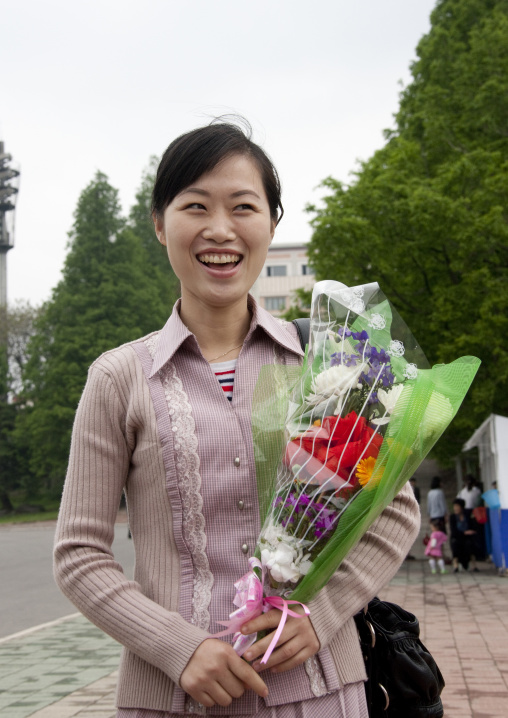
(289, 411)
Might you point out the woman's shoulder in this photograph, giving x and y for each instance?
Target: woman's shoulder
(122, 357)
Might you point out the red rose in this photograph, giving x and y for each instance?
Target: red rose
(339, 443)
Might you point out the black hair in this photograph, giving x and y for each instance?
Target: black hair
(435, 483)
(439, 524)
(460, 503)
(199, 151)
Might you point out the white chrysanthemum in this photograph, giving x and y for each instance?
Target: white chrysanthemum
(273, 534)
(286, 563)
(305, 566)
(389, 398)
(336, 381)
(281, 563)
(377, 321)
(396, 348)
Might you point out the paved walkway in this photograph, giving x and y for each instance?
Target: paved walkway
(67, 669)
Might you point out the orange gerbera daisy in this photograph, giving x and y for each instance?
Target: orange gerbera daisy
(364, 470)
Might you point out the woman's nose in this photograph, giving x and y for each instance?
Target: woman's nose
(219, 229)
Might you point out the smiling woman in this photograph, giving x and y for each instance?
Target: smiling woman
(216, 198)
(217, 233)
(167, 420)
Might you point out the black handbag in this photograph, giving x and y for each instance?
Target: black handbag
(404, 680)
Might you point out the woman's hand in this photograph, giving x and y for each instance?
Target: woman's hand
(215, 674)
(298, 640)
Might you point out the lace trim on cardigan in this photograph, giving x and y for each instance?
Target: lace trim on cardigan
(189, 485)
(317, 681)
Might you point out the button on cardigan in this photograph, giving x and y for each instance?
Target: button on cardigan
(154, 422)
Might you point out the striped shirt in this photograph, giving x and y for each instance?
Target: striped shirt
(225, 373)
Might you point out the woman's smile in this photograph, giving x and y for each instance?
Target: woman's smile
(220, 265)
(219, 258)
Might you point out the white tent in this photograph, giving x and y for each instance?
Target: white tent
(491, 439)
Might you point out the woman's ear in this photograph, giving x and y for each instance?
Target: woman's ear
(272, 230)
(158, 223)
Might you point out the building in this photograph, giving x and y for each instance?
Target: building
(286, 269)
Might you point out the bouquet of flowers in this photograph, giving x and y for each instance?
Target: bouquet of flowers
(334, 448)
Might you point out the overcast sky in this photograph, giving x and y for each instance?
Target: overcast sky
(103, 85)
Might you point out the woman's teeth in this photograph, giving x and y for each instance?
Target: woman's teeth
(219, 258)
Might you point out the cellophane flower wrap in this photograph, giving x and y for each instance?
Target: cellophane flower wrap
(336, 439)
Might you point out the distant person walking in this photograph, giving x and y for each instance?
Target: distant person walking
(462, 537)
(434, 549)
(436, 503)
(470, 494)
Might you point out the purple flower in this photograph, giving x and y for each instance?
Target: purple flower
(325, 523)
(387, 378)
(361, 337)
(292, 500)
(304, 500)
(351, 360)
(346, 359)
(377, 357)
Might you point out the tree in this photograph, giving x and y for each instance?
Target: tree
(106, 297)
(300, 305)
(140, 220)
(426, 215)
(20, 319)
(17, 325)
(8, 462)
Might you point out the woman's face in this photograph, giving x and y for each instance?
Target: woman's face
(217, 233)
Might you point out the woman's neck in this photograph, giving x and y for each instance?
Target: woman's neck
(219, 331)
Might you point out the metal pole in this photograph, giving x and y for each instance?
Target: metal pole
(3, 279)
(8, 194)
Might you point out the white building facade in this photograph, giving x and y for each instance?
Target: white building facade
(286, 269)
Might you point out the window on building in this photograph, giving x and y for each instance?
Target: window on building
(275, 304)
(278, 270)
(306, 269)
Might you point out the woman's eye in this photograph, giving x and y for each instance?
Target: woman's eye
(242, 207)
(195, 205)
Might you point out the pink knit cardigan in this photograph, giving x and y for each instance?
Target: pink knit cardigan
(145, 424)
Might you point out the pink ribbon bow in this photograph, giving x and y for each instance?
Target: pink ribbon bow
(251, 604)
(283, 605)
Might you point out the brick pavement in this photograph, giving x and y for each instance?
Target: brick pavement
(67, 669)
(58, 671)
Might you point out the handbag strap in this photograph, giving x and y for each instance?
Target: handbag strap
(303, 330)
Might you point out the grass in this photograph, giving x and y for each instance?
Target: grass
(28, 518)
(48, 512)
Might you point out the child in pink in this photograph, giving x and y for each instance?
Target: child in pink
(434, 548)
